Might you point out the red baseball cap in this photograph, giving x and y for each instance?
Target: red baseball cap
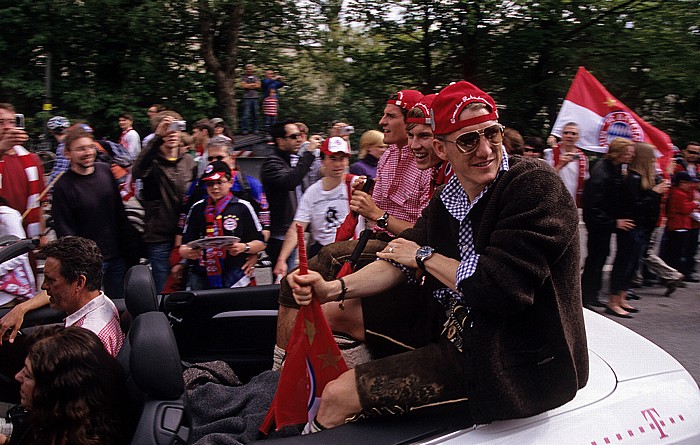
(424, 105)
(450, 102)
(335, 145)
(407, 99)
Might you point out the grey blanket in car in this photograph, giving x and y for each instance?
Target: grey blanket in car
(231, 415)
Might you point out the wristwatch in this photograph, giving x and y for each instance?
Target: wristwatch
(247, 248)
(383, 220)
(422, 254)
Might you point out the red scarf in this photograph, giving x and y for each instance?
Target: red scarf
(214, 257)
(441, 174)
(581, 173)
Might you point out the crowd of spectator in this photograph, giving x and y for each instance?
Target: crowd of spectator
(180, 203)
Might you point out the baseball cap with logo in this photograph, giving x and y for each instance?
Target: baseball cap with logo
(216, 171)
(424, 106)
(406, 99)
(450, 102)
(335, 145)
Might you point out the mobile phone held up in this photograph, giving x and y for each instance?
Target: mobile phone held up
(19, 121)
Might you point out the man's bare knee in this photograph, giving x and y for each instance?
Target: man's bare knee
(340, 400)
(348, 320)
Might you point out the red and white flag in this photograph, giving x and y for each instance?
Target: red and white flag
(602, 118)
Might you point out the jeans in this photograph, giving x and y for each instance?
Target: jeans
(113, 274)
(250, 108)
(159, 256)
(269, 122)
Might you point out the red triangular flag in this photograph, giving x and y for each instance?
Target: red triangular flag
(601, 118)
(313, 360)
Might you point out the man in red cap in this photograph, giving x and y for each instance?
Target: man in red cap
(498, 249)
(420, 141)
(401, 189)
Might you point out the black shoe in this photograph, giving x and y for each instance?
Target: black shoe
(691, 279)
(671, 287)
(613, 313)
(631, 310)
(632, 296)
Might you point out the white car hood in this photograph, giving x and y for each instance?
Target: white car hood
(630, 356)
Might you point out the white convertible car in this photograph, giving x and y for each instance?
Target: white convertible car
(636, 393)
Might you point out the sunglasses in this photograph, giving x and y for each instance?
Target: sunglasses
(294, 136)
(693, 152)
(469, 141)
(215, 158)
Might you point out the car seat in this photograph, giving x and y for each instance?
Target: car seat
(139, 294)
(156, 372)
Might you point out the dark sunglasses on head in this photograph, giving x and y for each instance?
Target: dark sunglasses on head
(215, 158)
(469, 141)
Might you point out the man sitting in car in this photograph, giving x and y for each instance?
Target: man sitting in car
(498, 248)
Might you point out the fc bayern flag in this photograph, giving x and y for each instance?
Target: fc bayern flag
(313, 360)
(602, 118)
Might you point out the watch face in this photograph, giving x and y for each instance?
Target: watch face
(425, 251)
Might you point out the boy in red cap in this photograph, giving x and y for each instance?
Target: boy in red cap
(220, 214)
(324, 204)
(498, 249)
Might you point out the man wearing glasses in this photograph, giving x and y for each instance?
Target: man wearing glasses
(498, 249)
(86, 203)
(282, 175)
(570, 162)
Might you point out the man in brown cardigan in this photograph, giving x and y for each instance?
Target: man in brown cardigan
(498, 248)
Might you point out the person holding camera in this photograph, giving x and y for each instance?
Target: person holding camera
(21, 171)
(166, 174)
(570, 162)
(251, 93)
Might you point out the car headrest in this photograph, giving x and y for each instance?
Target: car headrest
(140, 293)
(154, 360)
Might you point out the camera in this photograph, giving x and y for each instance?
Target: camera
(178, 126)
(15, 421)
(575, 155)
(19, 120)
(346, 130)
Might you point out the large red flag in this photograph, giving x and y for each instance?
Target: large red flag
(602, 118)
(313, 360)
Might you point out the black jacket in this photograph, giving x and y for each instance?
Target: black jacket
(602, 197)
(280, 181)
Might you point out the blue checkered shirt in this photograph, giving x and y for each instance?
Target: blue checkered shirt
(61, 164)
(458, 205)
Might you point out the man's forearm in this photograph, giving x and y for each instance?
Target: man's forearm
(40, 300)
(364, 283)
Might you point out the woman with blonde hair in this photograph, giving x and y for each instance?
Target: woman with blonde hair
(603, 216)
(644, 189)
(372, 147)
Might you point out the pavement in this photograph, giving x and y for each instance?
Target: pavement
(672, 323)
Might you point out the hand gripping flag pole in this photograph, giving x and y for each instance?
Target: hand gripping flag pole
(313, 360)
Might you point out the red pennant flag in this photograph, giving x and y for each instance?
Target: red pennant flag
(313, 360)
(602, 118)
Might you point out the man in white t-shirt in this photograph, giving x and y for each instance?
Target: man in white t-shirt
(324, 204)
(570, 162)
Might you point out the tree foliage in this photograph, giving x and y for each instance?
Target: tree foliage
(343, 58)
